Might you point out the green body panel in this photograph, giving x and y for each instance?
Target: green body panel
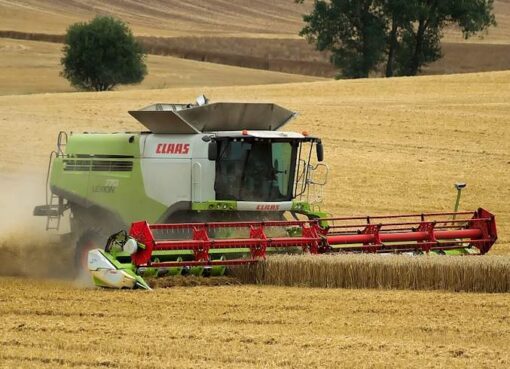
(104, 144)
(120, 192)
(305, 208)
(455, 252)
(219, 205)
(300, 207)
(127, 268)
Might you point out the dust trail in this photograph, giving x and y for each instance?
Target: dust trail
(26, 249)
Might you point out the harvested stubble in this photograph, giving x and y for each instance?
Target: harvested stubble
(191, 281)
(469, 273)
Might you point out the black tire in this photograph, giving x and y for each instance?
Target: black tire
(90, 239)
(91, 228)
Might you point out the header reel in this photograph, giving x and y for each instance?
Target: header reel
(151, 250)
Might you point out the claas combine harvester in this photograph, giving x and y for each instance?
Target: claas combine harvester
(213, 185)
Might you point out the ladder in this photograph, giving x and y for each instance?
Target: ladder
(55, 205)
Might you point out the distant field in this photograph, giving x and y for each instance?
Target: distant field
(34, 67)
(255, 34)
(255, 18)
(250, 18)
(294, 56)
(297, 56)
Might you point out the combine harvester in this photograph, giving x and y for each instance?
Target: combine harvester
(213, 185)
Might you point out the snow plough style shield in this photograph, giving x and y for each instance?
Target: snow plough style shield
(106, 272)
(174, 248)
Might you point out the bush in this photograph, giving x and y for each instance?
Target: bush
(102, 54)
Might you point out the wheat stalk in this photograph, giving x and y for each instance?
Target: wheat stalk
(469, 273)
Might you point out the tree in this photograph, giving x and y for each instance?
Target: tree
(421, 36)
(102, 54)
(407, 33)
(353, 30)
(400, 13)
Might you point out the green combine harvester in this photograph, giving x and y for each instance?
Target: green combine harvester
(212, 185)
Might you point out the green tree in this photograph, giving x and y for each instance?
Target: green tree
(422, 33)
(353, 30)
(400, 14)
(102, 54)
(406, 33)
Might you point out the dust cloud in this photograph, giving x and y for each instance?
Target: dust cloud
(26, 248)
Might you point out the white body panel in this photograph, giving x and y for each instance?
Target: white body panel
(176, 168)
(167, 181)
(260, 134)
(203, 175)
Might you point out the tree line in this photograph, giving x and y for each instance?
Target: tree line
(363, 36)
(396, 36)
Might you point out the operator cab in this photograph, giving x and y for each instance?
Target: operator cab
(254, 162)
(257, 166)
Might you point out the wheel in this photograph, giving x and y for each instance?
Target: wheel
(91, 228)
(91, 238)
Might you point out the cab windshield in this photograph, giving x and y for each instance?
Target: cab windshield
(260, 170)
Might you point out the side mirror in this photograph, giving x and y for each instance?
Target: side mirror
(212, 153)
(320, 151)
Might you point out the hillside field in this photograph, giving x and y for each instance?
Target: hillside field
(173, 18)
(28, 67)
(258, 34)
(393, 145)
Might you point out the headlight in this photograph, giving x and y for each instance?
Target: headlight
(130, 246)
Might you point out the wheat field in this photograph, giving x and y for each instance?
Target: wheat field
(255, 34)
(28, 67)
(254, 18)
(53, 324)
(245, 18)
(404, 272)
(393, 146)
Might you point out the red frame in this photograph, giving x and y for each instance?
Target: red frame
(378, 234)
